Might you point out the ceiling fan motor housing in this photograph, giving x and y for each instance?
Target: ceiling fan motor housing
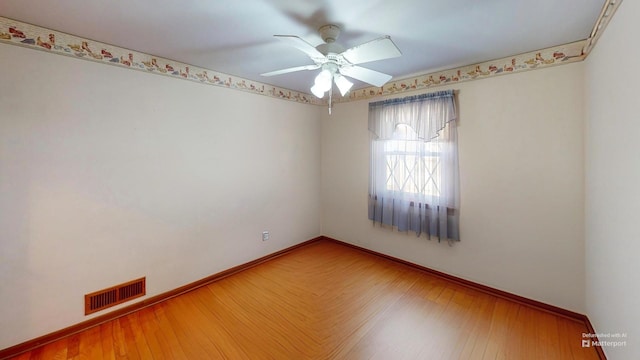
(329, 33)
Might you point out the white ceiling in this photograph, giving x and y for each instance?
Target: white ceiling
(235, 37)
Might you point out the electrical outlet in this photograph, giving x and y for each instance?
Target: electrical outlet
(265, 235)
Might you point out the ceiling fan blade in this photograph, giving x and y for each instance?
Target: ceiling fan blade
(367, 75)
(303, 46)
(293, 69)
(378, 49)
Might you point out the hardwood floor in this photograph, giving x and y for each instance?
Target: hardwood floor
(329, 301)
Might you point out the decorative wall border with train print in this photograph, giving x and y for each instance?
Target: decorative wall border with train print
(557, 55)
(35, 37)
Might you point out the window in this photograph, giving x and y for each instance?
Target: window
(411, 165)
(414, 164)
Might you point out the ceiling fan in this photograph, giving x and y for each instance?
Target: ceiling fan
(337, 63)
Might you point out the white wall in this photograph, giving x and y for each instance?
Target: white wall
(612, 182)
(108, 174)
(521, 166)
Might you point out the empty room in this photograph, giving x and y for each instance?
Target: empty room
(319, 179)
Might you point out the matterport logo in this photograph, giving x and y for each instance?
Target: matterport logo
(604, 339)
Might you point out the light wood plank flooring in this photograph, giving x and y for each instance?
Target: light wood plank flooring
(329, 301)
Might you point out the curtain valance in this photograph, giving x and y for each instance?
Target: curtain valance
(426, 114)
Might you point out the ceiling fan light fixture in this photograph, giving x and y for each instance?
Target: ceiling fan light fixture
(317, 91)
(324, 79)
(343, 84)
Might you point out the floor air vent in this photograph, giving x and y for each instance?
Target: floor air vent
(114, 295)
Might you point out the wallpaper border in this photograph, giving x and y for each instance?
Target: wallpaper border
(557, 55)
(35, 37)
(39, 38)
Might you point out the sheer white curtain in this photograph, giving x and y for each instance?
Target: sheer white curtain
(414, 182)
